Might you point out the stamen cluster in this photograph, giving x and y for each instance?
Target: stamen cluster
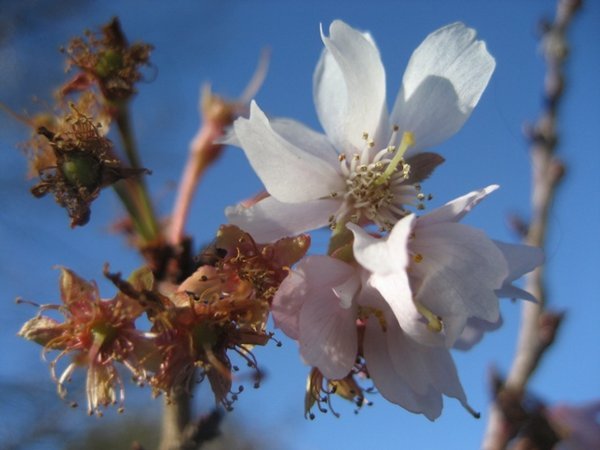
(377, 190)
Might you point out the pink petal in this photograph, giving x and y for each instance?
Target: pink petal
(328, 336)
(391, 385)
(459, 271)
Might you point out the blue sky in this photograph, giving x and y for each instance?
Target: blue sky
(219, 41)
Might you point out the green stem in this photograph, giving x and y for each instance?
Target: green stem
(126, 134)
(144, 213)
(340, 237)
(123, 193)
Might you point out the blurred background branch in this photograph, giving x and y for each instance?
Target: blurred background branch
(539, 326)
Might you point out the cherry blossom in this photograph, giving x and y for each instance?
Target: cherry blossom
(399, 302)
(447, 272)
(336, 318)
(367, 166)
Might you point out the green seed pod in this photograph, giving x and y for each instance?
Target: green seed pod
(81, 169)
(109, 62)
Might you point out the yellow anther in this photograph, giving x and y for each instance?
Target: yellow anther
(418, 258)
(365, 135)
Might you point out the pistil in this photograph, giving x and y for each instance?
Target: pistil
(408, 140)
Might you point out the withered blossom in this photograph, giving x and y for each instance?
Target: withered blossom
(222, 307)
(108, 60)
(95, 334)
(74, 161)
(319, 391)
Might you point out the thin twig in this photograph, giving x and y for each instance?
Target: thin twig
(538, 327)
(217, 114)
(203, 151)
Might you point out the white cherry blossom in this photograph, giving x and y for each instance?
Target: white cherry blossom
(360, 169)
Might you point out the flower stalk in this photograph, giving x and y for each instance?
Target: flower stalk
(134, 193)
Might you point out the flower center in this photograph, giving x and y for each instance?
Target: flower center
(376, 187)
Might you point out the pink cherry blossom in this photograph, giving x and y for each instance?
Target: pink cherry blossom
(325, 304)
(454, 271)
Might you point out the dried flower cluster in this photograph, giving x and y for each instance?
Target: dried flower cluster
(221, 308)
(69, 150)
(74, 162)
(107, 60)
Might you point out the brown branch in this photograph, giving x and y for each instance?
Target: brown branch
(177, 414)
(179, 433)
(538, 327)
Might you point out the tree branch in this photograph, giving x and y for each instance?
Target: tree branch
(538, 327)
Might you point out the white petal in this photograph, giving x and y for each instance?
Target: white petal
(424, 367)
(349, 87)
(443, 82)
(383, 256)
(327, 332)
(396, 291)
(407, 362)
(521, 259)
(458, 274)
(289, 173)
(445, 378)
(456, 209)
(308, 140)
(324, 271)
(392, 385)
(269, 219)
(347, 290)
